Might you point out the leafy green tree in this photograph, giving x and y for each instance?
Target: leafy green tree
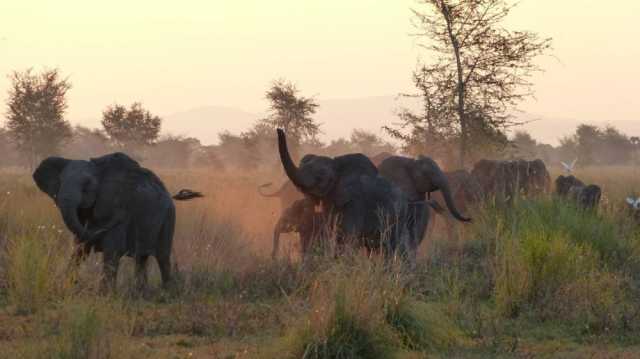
(132, 129)
(35, 112)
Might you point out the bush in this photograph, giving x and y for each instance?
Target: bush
(361, 310)
(35, 267)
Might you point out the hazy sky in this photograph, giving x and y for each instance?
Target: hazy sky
(176, 55)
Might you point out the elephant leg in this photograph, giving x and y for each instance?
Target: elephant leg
(141, 272)
(164, 263)
(111, 261)
(276, 239)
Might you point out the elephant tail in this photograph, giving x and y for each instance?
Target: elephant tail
(187, 194)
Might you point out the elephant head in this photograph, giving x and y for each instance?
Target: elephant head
(540, 179)
(418, 177)
(72, 184)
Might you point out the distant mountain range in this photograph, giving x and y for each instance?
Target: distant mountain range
(338, 117)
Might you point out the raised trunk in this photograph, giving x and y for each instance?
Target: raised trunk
(289, 167)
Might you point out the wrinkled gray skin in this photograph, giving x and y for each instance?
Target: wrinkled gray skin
(465, 190)
(573, 189)
(300, 217)
(417, 178)
(505, 180)
(113, 206)
(368, 209)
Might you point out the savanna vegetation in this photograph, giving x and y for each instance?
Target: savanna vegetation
(542, 279)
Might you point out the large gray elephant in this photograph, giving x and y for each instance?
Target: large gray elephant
(418, 178)
(114, 206)
(368, 209)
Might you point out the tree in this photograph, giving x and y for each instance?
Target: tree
(490, 64)
(131, 129)
(431, 130)
(524, 145)
(35, 113)
(369, 143)
(86, 142)
(292, 112)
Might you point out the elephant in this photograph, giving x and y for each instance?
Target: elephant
(303, 218)
(418, 178)
(573, 189)
(505, 180)
(365, 207)
(114, 206)
(288, 193)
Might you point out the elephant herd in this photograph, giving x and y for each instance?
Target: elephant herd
(113, 205)
(388, 202)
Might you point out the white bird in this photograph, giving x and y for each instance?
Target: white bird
(634, 202)
(569, 168)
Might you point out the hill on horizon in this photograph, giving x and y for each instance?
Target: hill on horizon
(338, 117)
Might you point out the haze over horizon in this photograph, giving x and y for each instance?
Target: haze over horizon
(352, 56)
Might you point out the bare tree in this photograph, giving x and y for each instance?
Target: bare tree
(490, 64)
(35, 113)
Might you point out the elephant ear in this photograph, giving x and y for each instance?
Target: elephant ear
(47, 175)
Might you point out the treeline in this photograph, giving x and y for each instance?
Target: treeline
(36, 128)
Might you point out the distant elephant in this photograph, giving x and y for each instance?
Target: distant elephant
(367, 208)
(465, 190)
(418, 178)
(573, 189)
(114, 206)
(288, 193)
(300, 217)
(506, 180)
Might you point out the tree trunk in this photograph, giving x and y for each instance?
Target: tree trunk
(460, 88)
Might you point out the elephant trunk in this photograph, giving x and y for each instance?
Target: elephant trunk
(448, 199)
(70, 217)
(289, 167)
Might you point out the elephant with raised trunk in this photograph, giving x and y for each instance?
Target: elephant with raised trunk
(368, 209)
(114, 206)
(418, 178)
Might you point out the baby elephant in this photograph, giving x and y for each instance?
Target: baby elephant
(300, 217)
(584, 196)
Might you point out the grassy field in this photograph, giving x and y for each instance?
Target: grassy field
(539, 280)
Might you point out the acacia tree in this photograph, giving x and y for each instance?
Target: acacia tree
(292, 112)
(131, 129)
(35, 113)
(430, 129)
(491, 65)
